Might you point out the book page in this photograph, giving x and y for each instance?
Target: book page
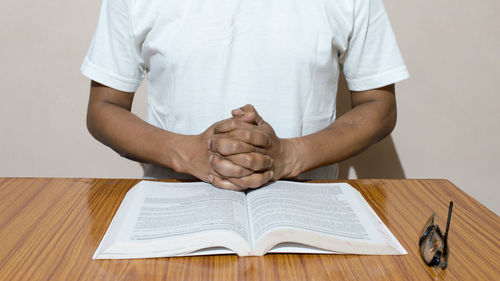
(189, 209)
(317, 208)
(331, 209)
(158, 211)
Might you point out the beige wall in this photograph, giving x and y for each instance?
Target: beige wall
(448, 124)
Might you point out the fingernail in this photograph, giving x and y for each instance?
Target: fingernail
(209, 144)
(271, 174)
(210, 178)
(210, 158)
(238, 112)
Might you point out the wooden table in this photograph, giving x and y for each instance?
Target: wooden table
(49, 229)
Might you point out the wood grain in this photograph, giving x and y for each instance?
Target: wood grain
(50, 228)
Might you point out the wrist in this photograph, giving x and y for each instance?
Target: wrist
(174, 154)
(291, 164)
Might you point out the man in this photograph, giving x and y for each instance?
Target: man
(205, 58)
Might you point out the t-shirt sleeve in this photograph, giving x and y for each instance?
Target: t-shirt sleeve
(372, 58)
(112, 59)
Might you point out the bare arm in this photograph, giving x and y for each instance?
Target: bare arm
(110, 120)
(372, 117)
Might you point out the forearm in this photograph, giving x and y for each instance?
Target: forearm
(350, 134)
(110, 120)
(130, 136)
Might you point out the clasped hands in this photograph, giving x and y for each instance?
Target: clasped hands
(244, 152)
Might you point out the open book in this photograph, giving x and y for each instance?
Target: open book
(158, 219)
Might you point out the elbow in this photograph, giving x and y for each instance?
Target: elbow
(389, 122)
(386, 123)
(92, 122)
(393, 118)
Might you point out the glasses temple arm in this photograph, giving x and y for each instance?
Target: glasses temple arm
(445, 238)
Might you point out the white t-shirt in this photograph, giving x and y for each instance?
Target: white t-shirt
(205, 58)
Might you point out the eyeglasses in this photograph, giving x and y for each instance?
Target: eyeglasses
(433, 245)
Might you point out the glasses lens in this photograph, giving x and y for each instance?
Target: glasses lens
(429, 222)
(432, 244)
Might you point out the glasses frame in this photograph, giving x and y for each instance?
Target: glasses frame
(444, 251)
